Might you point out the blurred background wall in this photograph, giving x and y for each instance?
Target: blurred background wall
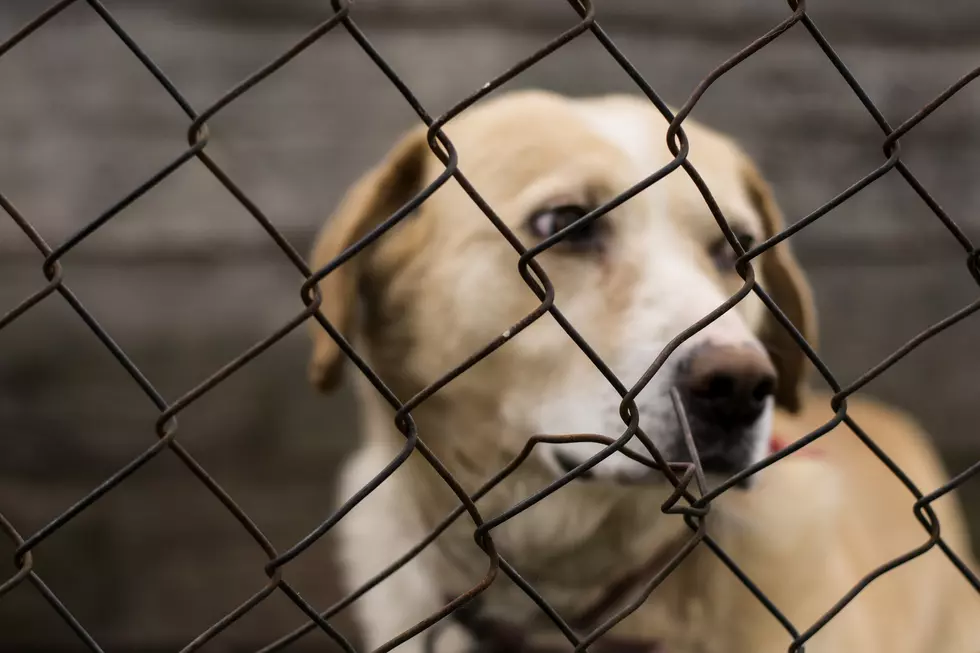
(185, 279)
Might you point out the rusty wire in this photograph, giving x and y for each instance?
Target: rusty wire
(583, 20)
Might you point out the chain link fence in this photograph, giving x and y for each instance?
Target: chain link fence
(693, 505)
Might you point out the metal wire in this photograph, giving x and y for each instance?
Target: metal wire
(582, 17)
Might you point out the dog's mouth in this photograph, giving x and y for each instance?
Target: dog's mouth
(637, 474)
(718, 466)
(567, 463)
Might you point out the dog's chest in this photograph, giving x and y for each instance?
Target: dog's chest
(660, 625)
(587, 584)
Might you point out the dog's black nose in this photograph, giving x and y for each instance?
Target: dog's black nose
(727, 386)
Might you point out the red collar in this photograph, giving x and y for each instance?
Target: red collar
(777, 443)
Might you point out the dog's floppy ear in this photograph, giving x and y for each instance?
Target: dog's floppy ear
(375, 197)
(785, 283)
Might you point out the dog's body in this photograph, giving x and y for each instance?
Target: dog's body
(817, 522)
(444, 284)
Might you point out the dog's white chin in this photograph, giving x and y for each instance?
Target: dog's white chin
(616, 467)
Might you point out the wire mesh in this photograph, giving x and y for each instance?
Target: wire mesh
(682, 501)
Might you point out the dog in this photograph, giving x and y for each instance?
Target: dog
(443, 283)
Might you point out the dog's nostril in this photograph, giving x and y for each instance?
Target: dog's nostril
(719, 386)
(764, 389)
(728, 386)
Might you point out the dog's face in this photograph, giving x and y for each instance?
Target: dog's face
(444, 283)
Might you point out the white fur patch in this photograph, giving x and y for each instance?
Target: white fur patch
(630, 130)
(371, 537)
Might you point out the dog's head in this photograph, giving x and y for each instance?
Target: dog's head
(444, 283)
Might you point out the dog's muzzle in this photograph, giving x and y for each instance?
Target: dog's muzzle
(725, 390)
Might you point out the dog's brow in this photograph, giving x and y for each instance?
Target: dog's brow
(743, 222)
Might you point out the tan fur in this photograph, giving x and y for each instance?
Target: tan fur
(444, 283)
(813, 527)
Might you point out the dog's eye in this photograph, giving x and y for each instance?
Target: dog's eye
(723, 254)
(547, 222)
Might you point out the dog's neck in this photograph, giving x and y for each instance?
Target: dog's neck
(498, 636)
(492, 636)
